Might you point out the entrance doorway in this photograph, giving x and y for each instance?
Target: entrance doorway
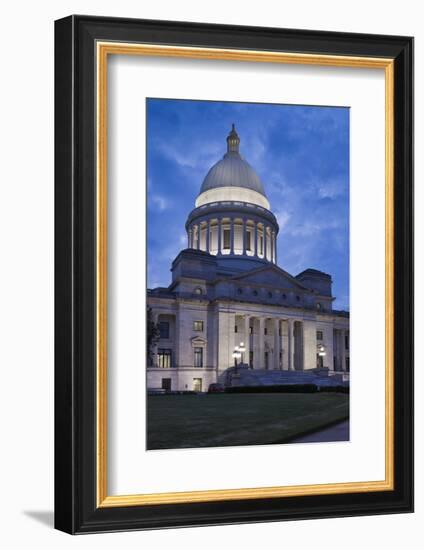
(197, 384)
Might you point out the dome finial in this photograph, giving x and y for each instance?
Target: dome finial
(233, 140)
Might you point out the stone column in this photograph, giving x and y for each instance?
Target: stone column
(177, 347)
(219, 236)
(277, 344)
(198, 236)
(261, 347)
(244, 236)
(343, 350)
(290, 341)
(155, 319)
(208, 230)
(246, 339)
(190, 238)
(231, 236)
(300, 346)
(259, 361)
(256, 239)
(274, 249)
(265, 242)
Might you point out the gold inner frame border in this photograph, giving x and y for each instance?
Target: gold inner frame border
(103, 50)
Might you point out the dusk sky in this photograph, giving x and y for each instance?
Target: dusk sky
(300, 153)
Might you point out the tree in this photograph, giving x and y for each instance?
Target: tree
(152, 336)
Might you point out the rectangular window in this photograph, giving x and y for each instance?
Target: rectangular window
(248, 241)
(198, 326)
(251, 359)
(235, 328)
(346, 341)
(250, 330)
(164, 329)
(265, 331)
(226, 239)
(319, 335)
(166, 384)
(266, 360)
(164, 358)
(347, 364)
(197, 384)
(198, 357)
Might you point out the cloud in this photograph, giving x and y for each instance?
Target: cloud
(283, 218)
(331, 189)
(158, 202)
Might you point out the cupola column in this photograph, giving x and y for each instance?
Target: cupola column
(190, 238)
(219, 236)
(231, 236)
(208, 232)
(244, 236)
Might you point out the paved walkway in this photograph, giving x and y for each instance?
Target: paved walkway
(338, 432)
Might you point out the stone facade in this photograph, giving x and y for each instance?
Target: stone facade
(227, 289)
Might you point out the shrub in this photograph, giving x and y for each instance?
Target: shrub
(282, 388)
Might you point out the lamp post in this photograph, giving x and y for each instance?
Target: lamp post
(242, 350)
(321, 355)
(236, 355)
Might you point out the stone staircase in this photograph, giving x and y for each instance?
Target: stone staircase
(244, 376)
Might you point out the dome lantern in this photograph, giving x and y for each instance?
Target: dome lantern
(233, 141)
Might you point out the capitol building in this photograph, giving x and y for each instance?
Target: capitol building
(228, 291)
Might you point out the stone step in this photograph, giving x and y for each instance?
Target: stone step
(261, 377)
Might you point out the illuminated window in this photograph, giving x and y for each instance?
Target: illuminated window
(197, 384)
(226, 239)
(248, 241)
(164, 358)
(198, 357)
(198, 326)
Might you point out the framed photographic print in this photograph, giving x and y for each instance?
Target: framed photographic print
(233, 274)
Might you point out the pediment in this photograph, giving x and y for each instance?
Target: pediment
(270, 275)
(198, 341)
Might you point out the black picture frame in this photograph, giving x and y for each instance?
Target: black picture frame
(76, 509)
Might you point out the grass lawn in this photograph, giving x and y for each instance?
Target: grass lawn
(216, 420)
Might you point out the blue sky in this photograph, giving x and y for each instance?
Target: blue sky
(301, 154)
